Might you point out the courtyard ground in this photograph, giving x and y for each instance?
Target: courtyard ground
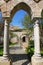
(18, 55)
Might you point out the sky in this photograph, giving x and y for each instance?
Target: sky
(16, 20)
(0, 15)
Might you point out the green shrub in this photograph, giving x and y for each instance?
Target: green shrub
(31, 43)
(30, 49)
(1, 51)
(30, 52)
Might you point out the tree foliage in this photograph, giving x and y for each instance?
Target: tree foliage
(26, 22)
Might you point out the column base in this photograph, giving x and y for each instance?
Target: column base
(4, 61)
(36, 60)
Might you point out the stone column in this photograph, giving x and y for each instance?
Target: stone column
(36, 58)
(6, 39)
(36, 39)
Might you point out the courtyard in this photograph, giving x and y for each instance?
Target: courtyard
(16, 54)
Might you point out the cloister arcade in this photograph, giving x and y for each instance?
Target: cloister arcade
(8, 9)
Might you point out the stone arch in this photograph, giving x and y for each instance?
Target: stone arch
(33, 5)
(21, 37)
(23, 6)
(36, 10)
(24, 40)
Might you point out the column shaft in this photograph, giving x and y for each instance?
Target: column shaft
(36, 39)
(6, 38)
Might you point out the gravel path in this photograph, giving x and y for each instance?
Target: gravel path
(19, 56)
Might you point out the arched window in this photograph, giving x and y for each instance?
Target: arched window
(24, 39)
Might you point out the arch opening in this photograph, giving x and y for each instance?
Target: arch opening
(24, 39)
(20, 6)
(19, 28)
(18, 18)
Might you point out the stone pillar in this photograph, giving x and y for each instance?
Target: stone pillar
(36, 39)
(6, 60)
(36, 58)
(6, 39)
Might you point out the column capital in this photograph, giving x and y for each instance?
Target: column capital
(36, 23)
(6, 23)
(36, 19)
(8, 19)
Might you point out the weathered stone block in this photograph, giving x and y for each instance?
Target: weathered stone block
(5, 62)
(37, 60)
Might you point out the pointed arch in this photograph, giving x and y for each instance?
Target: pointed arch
(19, 6)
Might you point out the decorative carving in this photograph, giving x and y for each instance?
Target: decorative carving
(37, 1)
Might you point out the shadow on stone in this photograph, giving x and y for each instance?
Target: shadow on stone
(15, 48)
(17, 57)
(26, 63)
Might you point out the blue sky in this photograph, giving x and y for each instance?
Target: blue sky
(0, 15)
(16, 20)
